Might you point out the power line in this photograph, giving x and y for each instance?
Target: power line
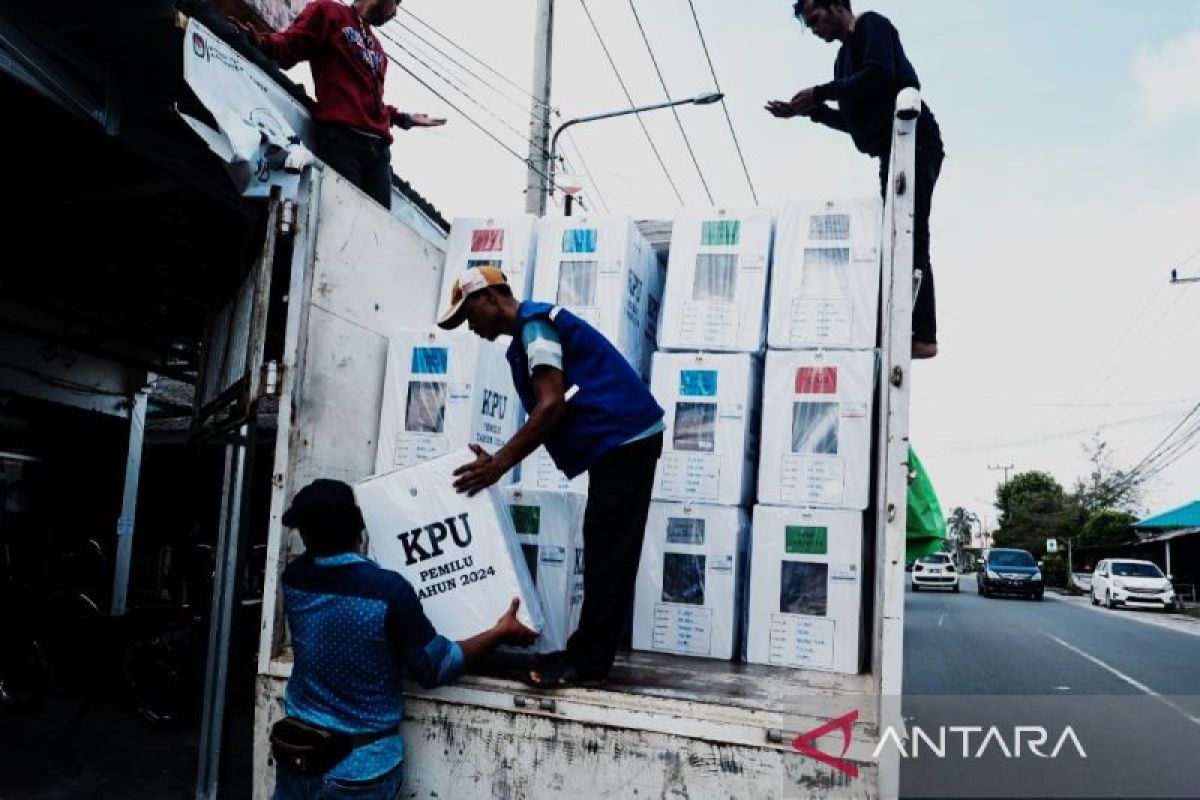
(717, 83)
(629, 97)
(674, 110)
(464, 114)
(588, 171)
(478, 61)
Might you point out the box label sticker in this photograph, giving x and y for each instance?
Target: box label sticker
(698, 383)
(487, 240)
(526, 519)
(801, 641)
(816, 380)
(721, 233)
(806, 540)
(682, 629)
(430, 360)
(688, 476)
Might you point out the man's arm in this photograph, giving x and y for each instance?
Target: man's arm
(406, 121)
(878, 67)
(300, 42)
(829, 117)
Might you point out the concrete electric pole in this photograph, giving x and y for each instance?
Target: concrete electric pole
(536, 185)
(1004, 467)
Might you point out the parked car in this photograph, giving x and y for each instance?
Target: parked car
(1133, 583)
(1010, 571)
(935, 570)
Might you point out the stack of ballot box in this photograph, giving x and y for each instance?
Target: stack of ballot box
(460, 553)
(444, 390)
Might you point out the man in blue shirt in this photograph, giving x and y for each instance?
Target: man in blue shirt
(594, 414)
(355, 629)
(870, 70)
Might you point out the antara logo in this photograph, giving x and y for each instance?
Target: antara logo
(418, 548)
(806, 743)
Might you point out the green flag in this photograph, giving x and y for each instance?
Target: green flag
(926, 524)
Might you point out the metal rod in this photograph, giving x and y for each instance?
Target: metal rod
(133, 471)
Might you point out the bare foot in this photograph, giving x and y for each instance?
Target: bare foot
(924, 349)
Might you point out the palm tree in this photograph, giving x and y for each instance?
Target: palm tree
(960, 523)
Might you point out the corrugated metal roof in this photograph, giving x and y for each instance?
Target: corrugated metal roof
(1186, 516)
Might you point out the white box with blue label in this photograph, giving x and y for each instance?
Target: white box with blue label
(509, 243)
(825, 275)
(549, 527)
(716, 292)
(598, 268)
(710, 447)
(805, 588)
(689, 583)
(444, 390)
(816, 428)
(460, 553)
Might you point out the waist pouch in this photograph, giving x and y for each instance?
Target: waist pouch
(309, 750)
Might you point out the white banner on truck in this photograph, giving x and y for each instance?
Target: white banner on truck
(460, 553)
(261, 129)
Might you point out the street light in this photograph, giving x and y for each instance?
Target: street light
(698, 100)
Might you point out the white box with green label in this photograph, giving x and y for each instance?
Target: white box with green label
(689, 583)
(717, 279)
(444, 390)
(816, 428)
(825, 275)
(805, 588)
(710, 446)
(549, 528)
(598, 268)
(509, 243)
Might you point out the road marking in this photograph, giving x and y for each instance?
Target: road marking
(1141, 687)
(941, 619)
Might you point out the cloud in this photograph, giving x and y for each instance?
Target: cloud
(1166, 79)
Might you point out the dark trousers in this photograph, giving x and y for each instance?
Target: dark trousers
(929, 167)
(360, 158)
(614, 524)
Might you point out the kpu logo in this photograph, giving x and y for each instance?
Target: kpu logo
(198, 46)
(415, 550)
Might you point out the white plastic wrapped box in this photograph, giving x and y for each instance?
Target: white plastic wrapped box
(825, 275)
(816, 428)
(598, 269)
(716, 289)
(710, 447)
(689, 583)
(509, 243)
(549, 528)
(805, 589)
(444, 390)
(460, 553)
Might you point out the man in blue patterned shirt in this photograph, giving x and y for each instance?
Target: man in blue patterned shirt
(356, 628)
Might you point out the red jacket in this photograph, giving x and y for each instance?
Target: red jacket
(348, 68)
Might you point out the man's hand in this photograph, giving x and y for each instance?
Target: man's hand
(425, 121)
(481, 473)
(781, 109)
(805, 100)
(510, 630)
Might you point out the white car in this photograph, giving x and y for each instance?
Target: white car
(1128, 582)
(934, 571)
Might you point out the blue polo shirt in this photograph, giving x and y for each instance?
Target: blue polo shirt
(356, 629)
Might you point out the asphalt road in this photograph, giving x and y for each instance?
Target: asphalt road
(1129, 692)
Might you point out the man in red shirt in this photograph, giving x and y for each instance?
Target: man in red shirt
(348, 61)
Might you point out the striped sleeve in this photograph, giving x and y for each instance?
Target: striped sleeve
(543, 348)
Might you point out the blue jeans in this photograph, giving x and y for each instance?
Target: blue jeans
(291, 785)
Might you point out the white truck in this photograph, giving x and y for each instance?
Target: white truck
(665, 725)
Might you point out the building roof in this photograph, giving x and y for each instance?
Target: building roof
(1186, 516)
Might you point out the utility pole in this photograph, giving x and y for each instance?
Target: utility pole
(536, 188)
(1176, 279)
(1005, 467)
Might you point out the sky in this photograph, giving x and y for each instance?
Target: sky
(1069, 192)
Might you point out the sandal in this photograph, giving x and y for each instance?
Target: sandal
(561, 675)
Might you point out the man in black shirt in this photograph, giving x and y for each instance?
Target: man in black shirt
(870, 70)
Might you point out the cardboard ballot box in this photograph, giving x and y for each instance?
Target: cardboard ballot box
(717, 281)
(816, 428)
(549, 528)
(444, 390)
(689, 580)
(598, 268)
(805, 588)
(710, 447)
(460, 553)
(825, 275)
(509, 243)
(538, 472)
